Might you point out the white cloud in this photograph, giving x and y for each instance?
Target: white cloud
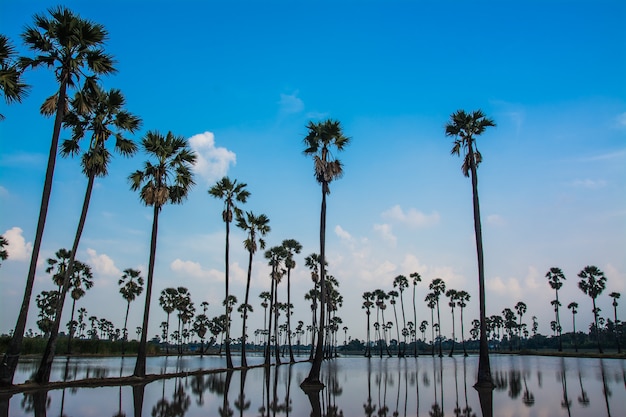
(412, 217)
(102, 264)
(291, 103)
(18, 249)
(385, 231)
(495, 220)
(588, 183)
(621, 120)
(194, 270)
(504, 287)
(3, 191)
(212, 162)
(343, 234)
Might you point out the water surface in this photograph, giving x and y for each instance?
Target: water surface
(354, 386)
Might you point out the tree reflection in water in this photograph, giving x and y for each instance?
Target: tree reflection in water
(565, 402)
(605, 388)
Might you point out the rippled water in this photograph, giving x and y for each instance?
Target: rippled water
(355, 386)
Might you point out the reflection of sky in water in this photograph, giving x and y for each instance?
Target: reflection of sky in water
(525, 386)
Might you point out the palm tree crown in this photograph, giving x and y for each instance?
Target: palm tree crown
(321, 137)
(464, 127)
(11, 84)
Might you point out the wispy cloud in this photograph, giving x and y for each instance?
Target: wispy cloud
(343, 234)
(621, 120)
(385, 231)
(212, 162)
(291, 103)
(588, 183)
(411, 217)
(18, 249)
(495, 220)
(194, 270)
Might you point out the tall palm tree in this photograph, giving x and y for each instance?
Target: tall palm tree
(592, 282)
(81, 281)
(431, 303)
(392, 300)
(167, 301)
(438, 287)
(416, 278)
(464, 127)
(463, 298)
(313, 263)
(72, 46)
(452, 296)
(292, 247)
(11, 85)
(103, 114)
(276, 255)
(520, 308)
(232, 193)
(555, 279)
(256, 227)
(166, 180)
(615, 296)
(322, 137)
(402, 283)
(367, 305)
(265, 297)
(131, 286)
(574, 307)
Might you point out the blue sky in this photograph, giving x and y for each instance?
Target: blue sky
(241, 80)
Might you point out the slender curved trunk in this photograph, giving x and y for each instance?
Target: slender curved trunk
(439, 329)
(313, 379)
(71, 329)
(291, 358)
(395, 314)
(453, 335)
(484, 368)
(140, 365)
(432, 331)
(229, 359)
(276, 316)
(616, 328)
(12, 354)
(414, 324)
(403, 324)
(463, 334)
(368, 352)
(558, 321)
(125, 328)
(268, 345)
(244, 362)
(595, 319)
(45, 367)
(575, 336)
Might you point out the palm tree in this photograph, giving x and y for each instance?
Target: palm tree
(452, 295)
(131, 286)
(520, 308)
(265, 297)
(367, 305)
(313, 263)
(574, 307)
(615, 296)
(593, 283)
(416, 278)
(73, 47)
(392, 300)
(431, 303)
(168, 180)
(11, 85)
(57, 267)
(292, 247)
(555, 279)
(402, 283)
(81, 281)
(275, 256)
(253, 225)
(321, 138)
(167, 301)
(438, 287)
(232, 193)
(465, 127)
(463, 298)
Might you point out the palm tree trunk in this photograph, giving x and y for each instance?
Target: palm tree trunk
(595, 319)
(439, 329)
(229, 359)
(403, 323)
(453, 336)
(45, 367)
(414, 324)
(558, 321)
(69, 339)
(574, 326)
(244, 362)
(463, 333)
(291, 358)
(484, 367)
(125, 328)
(313, 379)
(268, 346)
(140, 365)
(12, 354)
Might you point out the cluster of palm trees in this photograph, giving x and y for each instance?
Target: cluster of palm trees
(378, 299)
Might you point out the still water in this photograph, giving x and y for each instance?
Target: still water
(355, 386)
